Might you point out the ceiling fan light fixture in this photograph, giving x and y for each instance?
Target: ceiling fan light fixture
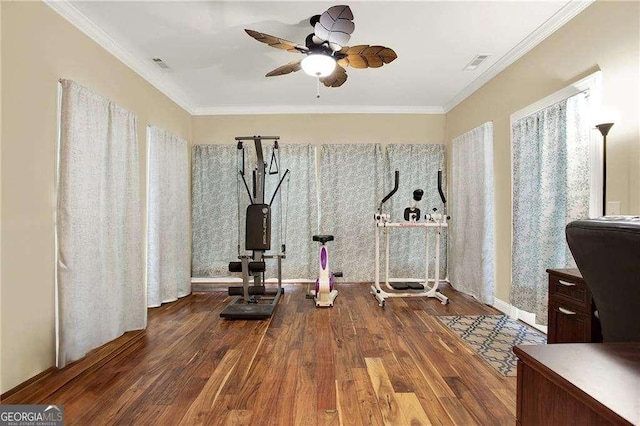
(325, 51)
(318, 65)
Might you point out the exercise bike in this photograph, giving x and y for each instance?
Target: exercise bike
(324, 293)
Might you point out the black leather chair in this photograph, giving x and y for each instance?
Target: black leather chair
(607, 252)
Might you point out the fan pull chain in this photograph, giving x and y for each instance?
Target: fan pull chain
(318, 87)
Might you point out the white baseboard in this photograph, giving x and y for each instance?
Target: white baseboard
(505, 308)
(518, 314)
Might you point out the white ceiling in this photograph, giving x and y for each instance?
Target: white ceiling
(216, 68)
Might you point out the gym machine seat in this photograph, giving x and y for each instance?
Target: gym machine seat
(322, 238)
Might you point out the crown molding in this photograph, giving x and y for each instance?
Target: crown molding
(329, 109)
(146, 70)
(155, 77)
(561, 17)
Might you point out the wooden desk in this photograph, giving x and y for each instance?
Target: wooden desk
(578, 384)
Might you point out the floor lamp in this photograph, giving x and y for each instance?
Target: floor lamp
(604, 130)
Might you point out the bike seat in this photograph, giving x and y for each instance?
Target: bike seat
(323, 238)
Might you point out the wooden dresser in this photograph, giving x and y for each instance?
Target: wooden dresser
(578, 384)
(571, 309)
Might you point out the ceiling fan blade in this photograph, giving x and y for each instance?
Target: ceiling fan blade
(365, 56)
(277, 42)
(344, 62)
(335, 26)
(285, 69)
(336, 79)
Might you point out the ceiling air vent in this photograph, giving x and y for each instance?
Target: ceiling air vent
(475, 62)
(160, 63)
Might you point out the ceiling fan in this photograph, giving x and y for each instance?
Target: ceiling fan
(325, 50)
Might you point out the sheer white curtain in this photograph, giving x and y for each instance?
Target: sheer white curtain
(550, 189)
(351, 186)
(472, 263)
(219, 203)
(214, 209)
(100, 253)
(418, 165)
(168, 254)
(299, 212)
(294, 216)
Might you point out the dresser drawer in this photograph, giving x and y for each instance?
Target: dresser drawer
(571, 308)
(570, 291)
(568, 325)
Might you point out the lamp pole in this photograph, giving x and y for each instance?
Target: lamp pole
(604, 130)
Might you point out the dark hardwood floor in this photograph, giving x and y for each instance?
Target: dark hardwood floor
(355, 364)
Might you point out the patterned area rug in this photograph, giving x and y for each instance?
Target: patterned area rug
(493, 337)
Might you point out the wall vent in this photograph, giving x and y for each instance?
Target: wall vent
(475, 62)
(159, 62)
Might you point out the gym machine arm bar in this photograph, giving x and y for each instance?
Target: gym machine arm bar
(393, 191)
(278, 187)
(247, 187)
(444, 200)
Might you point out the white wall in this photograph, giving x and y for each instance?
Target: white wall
(38, 48)
(605, 36)
(323, 128)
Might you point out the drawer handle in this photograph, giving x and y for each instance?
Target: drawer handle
(565, 311)
(566, 283)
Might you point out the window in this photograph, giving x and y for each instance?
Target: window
(555, 180)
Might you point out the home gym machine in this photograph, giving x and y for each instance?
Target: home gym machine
(434, 223)
(255, 301)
